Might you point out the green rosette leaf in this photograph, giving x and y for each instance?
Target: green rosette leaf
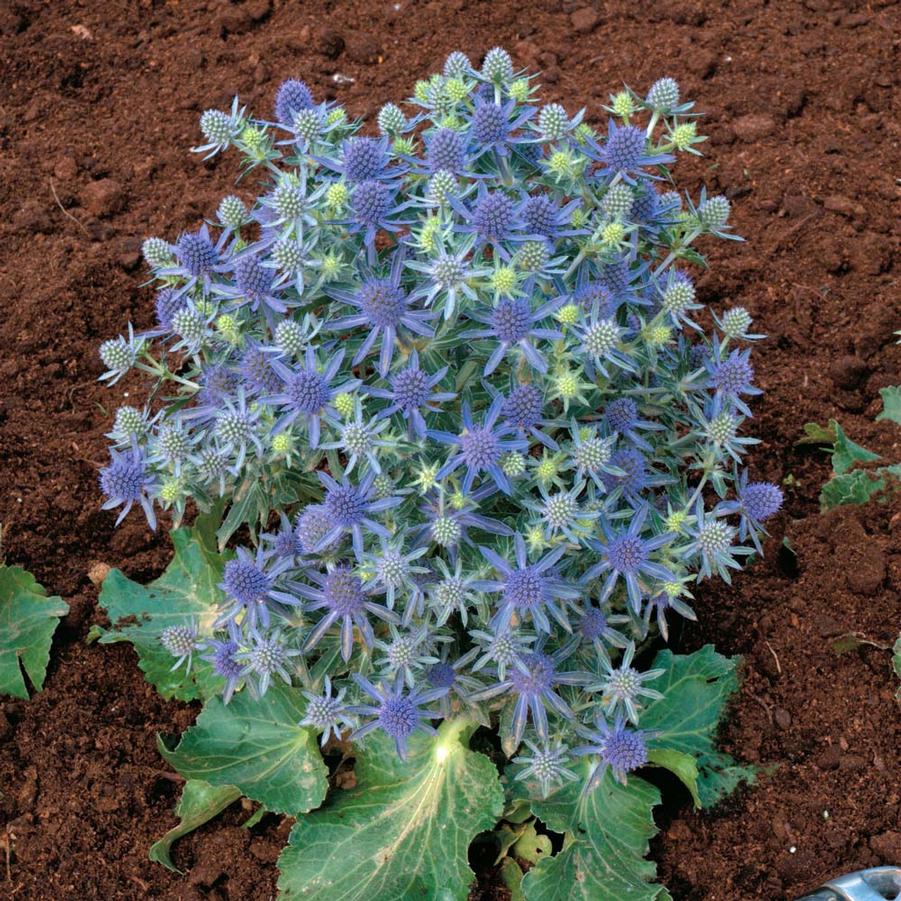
(186, 594)
(404, 831)
(256, 745)
(28, 619)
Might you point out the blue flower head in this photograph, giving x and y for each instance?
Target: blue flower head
(615, 747)
(396, 713)
(126, 481)
(292, 97)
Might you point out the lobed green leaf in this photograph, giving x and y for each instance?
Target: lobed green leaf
(256, 745)
(404, 831)
(187, 593)
(28, 619)
(199, 803)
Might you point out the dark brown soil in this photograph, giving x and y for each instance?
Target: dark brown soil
(99, 105)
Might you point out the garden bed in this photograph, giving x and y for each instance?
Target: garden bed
(99, 110)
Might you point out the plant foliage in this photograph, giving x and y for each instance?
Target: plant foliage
(451, 380)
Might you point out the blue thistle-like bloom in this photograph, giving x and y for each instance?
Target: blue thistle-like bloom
(384, 308)
(678, 297)
(663, 94)
(168, 302)
(760, 500)
(622, 687)
(616, 747)
(411, 393)
(257, 372)
(283, 542)
(373, 206)
(306, 393)
(292, 97)
(502, 650)
(126, 481)
(480, 448)
(733, 377)
(446, 150)
(364, 159)
(627, 556)
(625, 152)
(254, 283)
(406, 653)
(534, 687)
(622, 416)
(497, 67)
(397, 713)
(528, 590)
(392, 570)
(351, 508)
(595, 627)
(360, 441)
(601, 341)
(180, 642)
(222, 654)
(327, 713)
(547, 765)
(454, 678)
(634, 479)
(119, 355)
(494, 217)
(340, 593)
(513, 323)
(563, 514)
(712, 539)
(457, 65)
(266, 657)
(450, 278)
(196, 253)
(237, 428)
(448, 525)
(543, 216)
(250, 585)
(453, 593)
(312, 528)
(523, 409)
(217, 384)
(219, 129)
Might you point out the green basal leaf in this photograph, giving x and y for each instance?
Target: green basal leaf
(531, 846)
(891, 404)
(681, 765)
(511, 876)
(816, 434)
(695, 688)
(721, 777)
(199, 803)
(258, 746)
(846, 452)
(606, 836)
(855, 487)
(28, 619)
(403, 832)
(186, 594)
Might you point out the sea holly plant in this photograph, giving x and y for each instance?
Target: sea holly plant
(850, 484)
(449, 380)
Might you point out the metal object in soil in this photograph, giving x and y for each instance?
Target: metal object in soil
(876, 884)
